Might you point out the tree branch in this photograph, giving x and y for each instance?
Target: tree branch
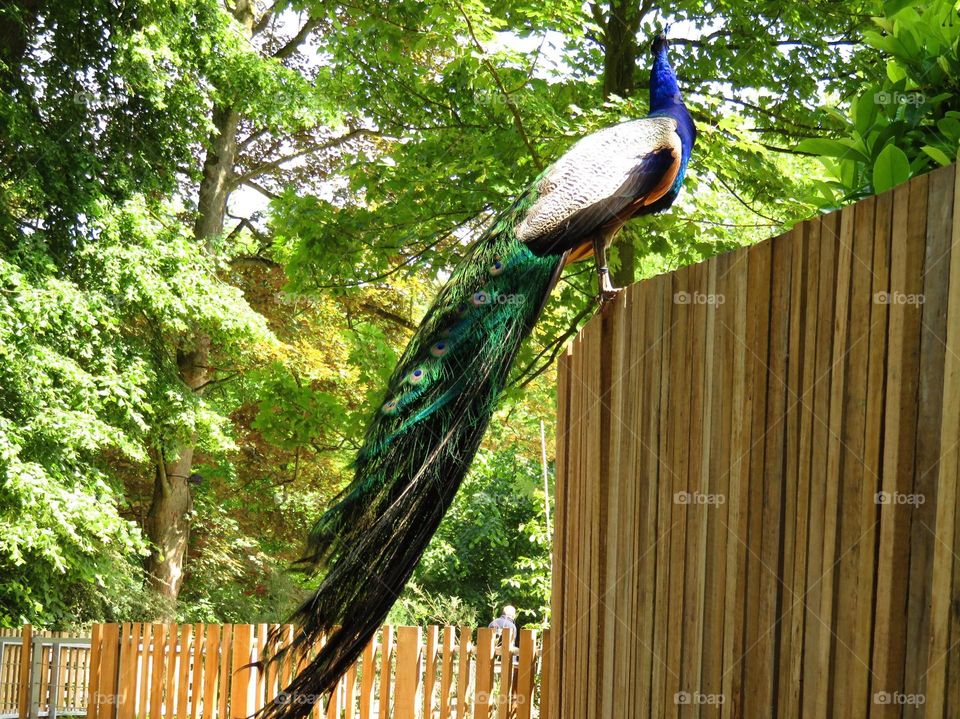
(511, 105)
(294, 43)
(276, 163)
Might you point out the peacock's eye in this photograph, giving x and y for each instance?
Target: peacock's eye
(417, 376)
(496, 268)
(390, 407)
(439, 349)
(480, 298)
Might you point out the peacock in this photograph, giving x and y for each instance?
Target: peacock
(422, 439)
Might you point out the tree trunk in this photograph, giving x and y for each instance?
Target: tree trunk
(620, 27)
(168, 519)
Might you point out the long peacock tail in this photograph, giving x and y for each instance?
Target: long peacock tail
(417, 449)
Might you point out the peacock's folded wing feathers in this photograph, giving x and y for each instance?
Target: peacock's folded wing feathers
(601, 178)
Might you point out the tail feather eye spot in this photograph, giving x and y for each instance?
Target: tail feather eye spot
(417, 376)
(391, 406)
(496, 268)
(480, 298)
(439, 349)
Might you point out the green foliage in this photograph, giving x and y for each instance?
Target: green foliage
(905, 117)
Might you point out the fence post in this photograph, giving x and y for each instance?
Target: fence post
(54, 682)
(26, 640)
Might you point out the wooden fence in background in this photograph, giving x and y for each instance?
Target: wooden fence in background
(42, 673)
(191, 671)
(757, 479)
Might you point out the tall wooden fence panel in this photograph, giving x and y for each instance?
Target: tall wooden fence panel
(757, 479)
(208, 671)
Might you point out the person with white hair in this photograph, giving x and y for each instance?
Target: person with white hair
(508, 620)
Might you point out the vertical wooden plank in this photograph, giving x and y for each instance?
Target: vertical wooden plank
(750, 687)
(96, 657)
(127, 684)
(823, 374)
(110, 646)
(806, 350)
(927, 453)
(196, 681)
(505, 690)
(826, 676)
(226, 674)
(211, 666)
(850, 695)
(26, 649)
(170, 667)
(548, 695)
(368, 672)
(526, 672)
(463, 672)
(408, 672)
(446, 671)
(143, 673)
(944, 559)
(677, 472)
(386, 655)
(240, 691)
(559, 585)
(430, 671)
(484, 686)
(616, 434)
(157, 669)
(664, 501)
(261, 690)
(792, 501)
(183, 670)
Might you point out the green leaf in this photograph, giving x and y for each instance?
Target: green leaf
(824, 146)
(891, 168)
(937, 154)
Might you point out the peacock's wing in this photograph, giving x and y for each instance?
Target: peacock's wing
(605, 177)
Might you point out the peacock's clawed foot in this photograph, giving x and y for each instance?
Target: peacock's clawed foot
(607, 291)
(608, 295)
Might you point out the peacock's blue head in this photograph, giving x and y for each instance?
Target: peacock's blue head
(664, 93)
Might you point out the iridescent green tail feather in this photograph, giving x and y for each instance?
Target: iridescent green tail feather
(417, 449)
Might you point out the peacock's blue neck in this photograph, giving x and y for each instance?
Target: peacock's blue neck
(665, 101)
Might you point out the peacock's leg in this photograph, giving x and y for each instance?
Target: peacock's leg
(607, 290)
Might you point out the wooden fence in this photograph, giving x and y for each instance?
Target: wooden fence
(42, 673)
(191, 671)
(757, 479)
